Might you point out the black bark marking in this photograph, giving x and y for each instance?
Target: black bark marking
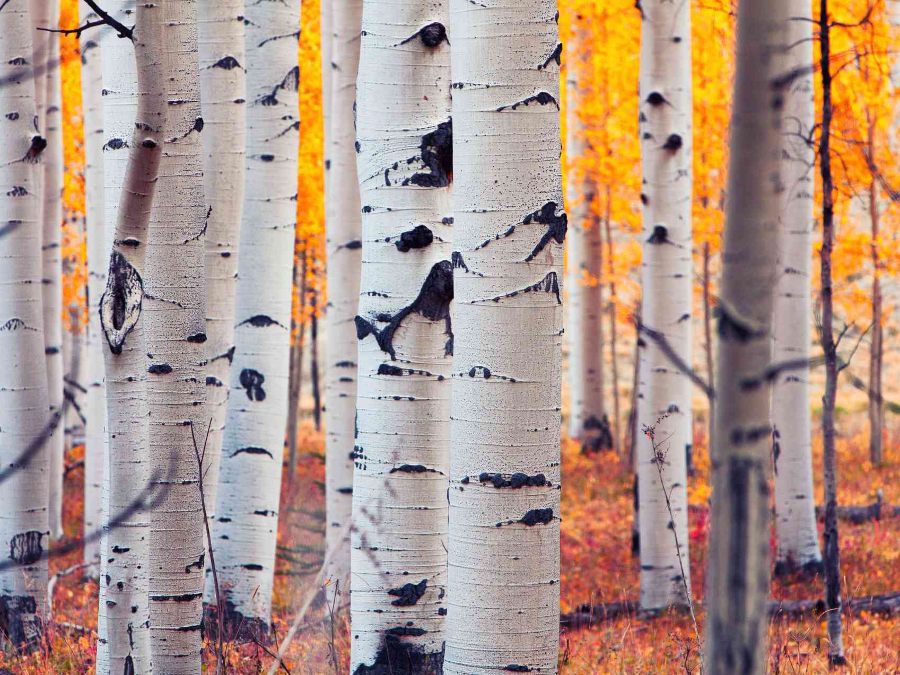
(16, 622)
(345, 490)
(541, 98)
(459, 263)
(431, 35)
(252, 450)
(418, 237)
(673, 143)
(549, 284)
(38, 145)
(26, 548)
(555, 55)
(17, 191)
(290, 82)
(199, 338)
(432, 303)
(730, 327)
(260, 321)
(197, 564)
(410, 631)
(253, 567)
(115, 144)
(120, 305)
(399, 658)
(252, 381)
(437, 157)
(408, 594)
(557, 225)
(226, 63)
(533, 517)
(353, 245)
(181, 597)
(120, 549)
(660, 235)
(412, 468)
(517, 668)
(159, 369)
(515, 481)
(656, 99)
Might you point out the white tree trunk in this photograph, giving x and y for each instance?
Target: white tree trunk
(795, 511)
(175, 302)
(738, 568)
(134, 112)
(223, 103)
(405, 146)
(247, 510)
(24, 521)
(584, 255)
(96, 442)
(504, 495)
(342, 242)
(664, 395)
(51, 283)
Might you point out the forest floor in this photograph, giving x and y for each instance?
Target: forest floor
(597, 567)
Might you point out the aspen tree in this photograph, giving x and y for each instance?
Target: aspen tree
(24, 524)
(405, 154)
(664, 389)
(223, 103)
(175, 303)
(51, 282)
(247, 510)
(738, 570)
(342, 243)
(584, 254)
(134, 114)
(96, 442)
(795, 515)
(503, 579)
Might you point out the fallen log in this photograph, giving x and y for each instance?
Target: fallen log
(589, 615)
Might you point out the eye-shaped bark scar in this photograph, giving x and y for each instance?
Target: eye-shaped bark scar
(120, 305)
(418, 237)
(252, 381)
(26, 548)
(437, 157)
(431, 35)
(432, 302)
(541, 98)
(290, 82)
(557, 226)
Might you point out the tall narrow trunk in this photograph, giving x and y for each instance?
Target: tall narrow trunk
(584, 253)
(24, 524)
(709, 347)
(795, 517)
(223, 106)
(96, 442)
(738, 568)
(876, 348)
(247, 510)
(51, 282)
(314, 362)
(618, 445)
(298, 333)
(631, 438)
(509, 229)
(175, 302)
(343, 231)
(664, 399)
(829, 349)
(402, 451)
(124, 605)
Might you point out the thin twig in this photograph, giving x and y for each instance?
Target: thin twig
(75, 31)
(51, 586)
(120, 28)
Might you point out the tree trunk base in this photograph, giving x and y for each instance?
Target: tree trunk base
(806, 571)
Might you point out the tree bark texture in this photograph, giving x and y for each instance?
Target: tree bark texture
(664, 390)
(405, 155)
(503, 594)
(247, 511)
(738, 569)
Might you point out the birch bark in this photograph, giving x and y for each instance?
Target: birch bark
(664, 390)
(223, 104)
(405, 154)
(584, 255)
(96, 441)
(795, 516)
(175, 302)
(51, 283)
(503, 595)
(738, 571)
(343, 231)
(247, 510)
(134, 112)
(24, 524)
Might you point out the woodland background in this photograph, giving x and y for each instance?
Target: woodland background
(597, 494)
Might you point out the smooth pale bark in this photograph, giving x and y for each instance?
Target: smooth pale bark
(96, 442)
(795, 517)
(24, 525)
(405, 146)
(738, 568)
(135, 82)
(247, 510)
(503, 595)
(342, 244)
(223, 104)
(584, 255)
(876, 341)
(664, 434)
(175, 305)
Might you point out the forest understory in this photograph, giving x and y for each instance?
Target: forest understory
(597, 569)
